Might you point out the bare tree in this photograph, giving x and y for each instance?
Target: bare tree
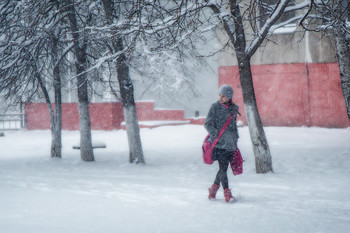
(80, 41)
(125, 82)
(333, 16)
(29, 44)
(141, 36)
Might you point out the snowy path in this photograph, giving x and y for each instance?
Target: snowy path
(309, 191)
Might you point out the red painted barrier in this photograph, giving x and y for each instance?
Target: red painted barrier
(293, 94)
(146, 112)
(104, 116)
(37, 115)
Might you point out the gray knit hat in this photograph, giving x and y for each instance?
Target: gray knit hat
(226, 90)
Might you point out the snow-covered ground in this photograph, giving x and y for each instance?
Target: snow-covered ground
(309, 191)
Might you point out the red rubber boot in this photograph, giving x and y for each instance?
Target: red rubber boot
(228, 196)
(212, 191)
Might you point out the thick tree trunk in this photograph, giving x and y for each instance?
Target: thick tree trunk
(86, 151)
(127, 94)
(129, 108)
(133, 132)
(56, 145)
(343, 55)
(263, 162)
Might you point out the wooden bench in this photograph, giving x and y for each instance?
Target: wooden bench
(94, 145)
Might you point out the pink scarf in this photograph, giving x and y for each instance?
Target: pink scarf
(225, 106)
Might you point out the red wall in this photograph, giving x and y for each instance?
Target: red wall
(146, 112)
(104, 116)
(293, 94)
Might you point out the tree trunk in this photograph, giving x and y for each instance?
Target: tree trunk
(127, 94)
(263, 162)
(56, 146)
(129, 108)
(343, 55)
(133, 131)
(86, 151)
(54, 142)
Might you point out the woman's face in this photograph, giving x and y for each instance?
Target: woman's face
(223, 99)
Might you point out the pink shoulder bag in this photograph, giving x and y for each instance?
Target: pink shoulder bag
(207, 148)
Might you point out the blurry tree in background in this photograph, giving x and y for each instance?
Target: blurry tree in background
(79, 16)
(139, 37)
(30, 58)
(114, 13)
(333, 17)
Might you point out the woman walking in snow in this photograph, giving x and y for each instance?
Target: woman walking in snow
(223, 151)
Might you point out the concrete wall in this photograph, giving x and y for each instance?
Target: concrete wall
(293, 94)
(292, 47)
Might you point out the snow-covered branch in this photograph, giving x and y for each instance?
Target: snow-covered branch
(63, 55)
(284, 23)
(277, 12)
(298, 6)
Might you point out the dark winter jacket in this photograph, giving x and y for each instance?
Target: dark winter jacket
(216, 119)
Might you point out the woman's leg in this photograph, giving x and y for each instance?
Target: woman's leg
(224, 157)
(221, 176)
